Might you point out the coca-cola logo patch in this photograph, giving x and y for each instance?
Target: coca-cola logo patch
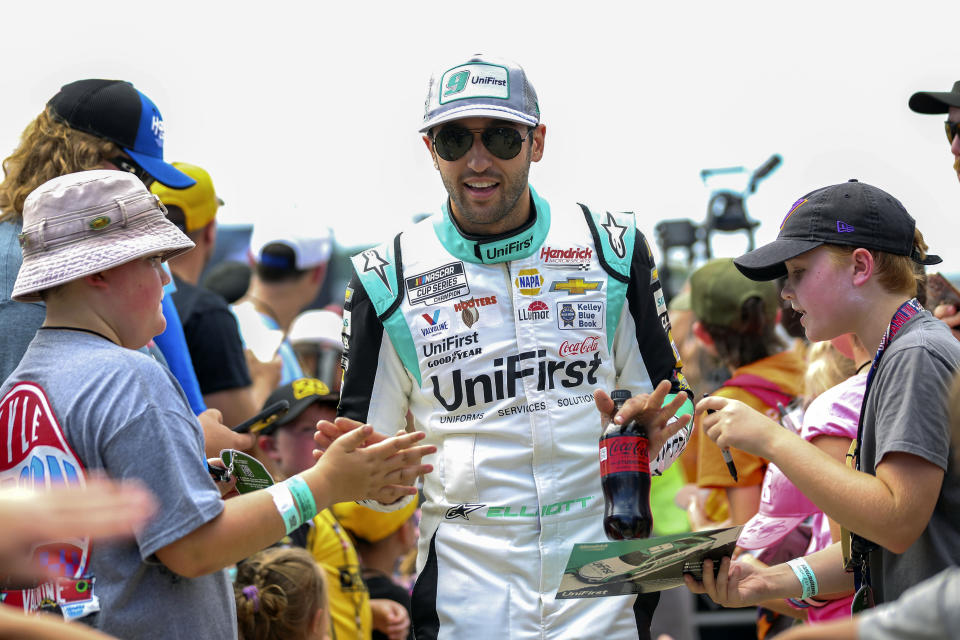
(575, 348)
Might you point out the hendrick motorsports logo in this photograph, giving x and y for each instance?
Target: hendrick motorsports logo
(438, 285)
(572, 256)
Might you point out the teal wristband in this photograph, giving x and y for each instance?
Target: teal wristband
(808, 580)
(283, 501)
(302, 496)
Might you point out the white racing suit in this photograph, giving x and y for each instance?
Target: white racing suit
(495, 345)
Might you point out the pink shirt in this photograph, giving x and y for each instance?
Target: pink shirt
(835, 412)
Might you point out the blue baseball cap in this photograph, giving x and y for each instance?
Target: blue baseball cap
(116, 111)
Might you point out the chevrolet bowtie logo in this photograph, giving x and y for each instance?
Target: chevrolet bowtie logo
(576, 286)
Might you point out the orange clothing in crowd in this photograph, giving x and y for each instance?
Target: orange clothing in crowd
(784, 372)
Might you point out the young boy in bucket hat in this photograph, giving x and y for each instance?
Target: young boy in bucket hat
(849, 253)
(83, 398)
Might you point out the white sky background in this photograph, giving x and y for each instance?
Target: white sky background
(307, 113)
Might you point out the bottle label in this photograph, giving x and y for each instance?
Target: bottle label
(619, 454)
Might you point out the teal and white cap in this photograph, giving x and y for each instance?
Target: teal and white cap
(483, 86)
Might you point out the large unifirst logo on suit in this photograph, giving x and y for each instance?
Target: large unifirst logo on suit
(501, 382)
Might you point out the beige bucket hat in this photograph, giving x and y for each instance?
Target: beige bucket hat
(82, 223)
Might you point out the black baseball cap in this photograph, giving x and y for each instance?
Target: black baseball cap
(300, 394)
(936, 101)
(115, 111)
(852, 214)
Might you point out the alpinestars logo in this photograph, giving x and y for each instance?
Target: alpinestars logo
(462, 511)
(373, 262)
(501, 383)
(615, 234)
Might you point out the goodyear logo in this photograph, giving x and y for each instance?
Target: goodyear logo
(528, 282)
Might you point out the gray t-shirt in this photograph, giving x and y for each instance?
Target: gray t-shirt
(121, 411)
(927, 611)
(906, 411)
(19, 320)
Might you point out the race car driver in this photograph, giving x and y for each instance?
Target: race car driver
(493, 322)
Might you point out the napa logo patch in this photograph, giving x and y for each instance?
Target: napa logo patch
(528, 282)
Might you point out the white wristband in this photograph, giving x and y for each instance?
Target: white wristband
(808, 580)
(283, 501)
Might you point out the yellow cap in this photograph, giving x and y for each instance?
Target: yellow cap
(199, 202)
(371, 525)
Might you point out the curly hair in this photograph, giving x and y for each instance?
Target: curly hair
(48, 148)
(278, 593)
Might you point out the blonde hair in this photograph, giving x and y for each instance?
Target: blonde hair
(826, 367)
(278, 593)
(897, 274)
(48, 148)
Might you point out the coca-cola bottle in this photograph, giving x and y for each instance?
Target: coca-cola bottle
(625, 476)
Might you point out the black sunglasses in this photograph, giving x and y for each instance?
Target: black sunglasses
(126, 164)
(951, 128)
(453, 141)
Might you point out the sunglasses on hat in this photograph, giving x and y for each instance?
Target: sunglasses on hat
(127, 164)
(951, 128)
(453, 141)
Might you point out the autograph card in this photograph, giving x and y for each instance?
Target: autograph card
(642, 566)
(250, 473)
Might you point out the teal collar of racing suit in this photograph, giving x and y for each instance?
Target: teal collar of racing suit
(513, 245)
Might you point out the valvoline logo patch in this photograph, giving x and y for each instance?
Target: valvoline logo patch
(36, 456)
(434, 324)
